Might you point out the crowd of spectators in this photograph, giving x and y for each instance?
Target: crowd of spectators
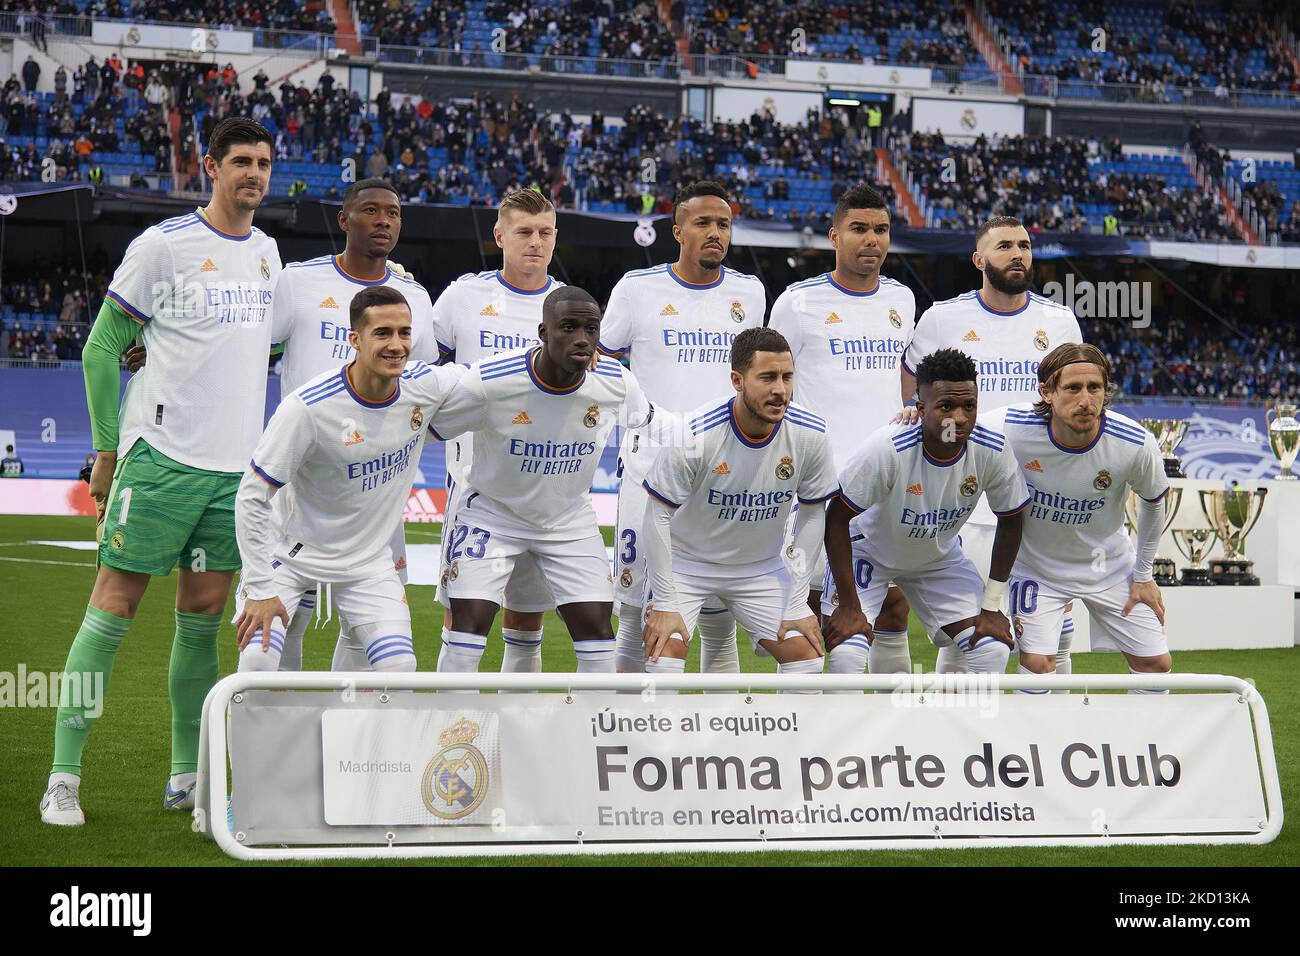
(1230, 38)
(774, 27)
(53, 291)
(1045, 182)
(311, 15)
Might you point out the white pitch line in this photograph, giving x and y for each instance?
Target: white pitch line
(66, 564)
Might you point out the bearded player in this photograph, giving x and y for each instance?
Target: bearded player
(1007, 330)
(847, 331)
(676, 322)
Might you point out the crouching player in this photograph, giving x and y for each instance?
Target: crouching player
(719, 500)
(1080, 460)
(540, 418)
(325, 492)
(915, 486)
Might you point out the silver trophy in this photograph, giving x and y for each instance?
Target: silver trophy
(1284, 437)
(1169, 434)
(1195, 544)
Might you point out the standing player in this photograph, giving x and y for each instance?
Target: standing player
(847, 330)
(540, 418)
(324, 492)
(915, 486)
(1007, 330)
(198, 289)
(311, 301)
(476, 317)
(677, 322)
(715, 525)
(1080, 460)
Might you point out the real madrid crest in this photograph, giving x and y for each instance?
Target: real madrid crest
(454, 571)
(737, 311)
(895, 319)
(1040, 340)
(970, 486)
(417, 418)
(785, 470)
(625, 579)
(446, 576)
(592, 418)
(266, 268)
(456, 780)
(117, 540)
(1102, 481)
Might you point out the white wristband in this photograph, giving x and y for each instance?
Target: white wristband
(994, 592)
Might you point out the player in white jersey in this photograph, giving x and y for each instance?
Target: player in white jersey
(540, 418)
(1080, 459)
(847, 331)
(1007, 330)
(310, 319)
(198, 289)
(476, 317)
(326, 488)
(676, 323)
(715, 525)
(915, 486)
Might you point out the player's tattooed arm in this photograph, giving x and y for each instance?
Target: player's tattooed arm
(847, 619)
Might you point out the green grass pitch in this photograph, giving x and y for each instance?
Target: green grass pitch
(43, 597)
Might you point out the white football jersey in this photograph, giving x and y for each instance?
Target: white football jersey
(732, 493)
(1007, 347)
(345, 466)
(536, 447)
(911, 506)
(476, 317)
(679, 336)
(846, 347)
(204, 299)
(1074, 524)
(310, 317)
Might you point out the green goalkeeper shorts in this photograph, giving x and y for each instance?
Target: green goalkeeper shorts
(162, 513)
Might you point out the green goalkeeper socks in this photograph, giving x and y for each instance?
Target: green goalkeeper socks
(85, 680)
(192, 673)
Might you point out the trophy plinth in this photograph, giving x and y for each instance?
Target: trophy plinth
(1164, 572)
(1195, 544)
(1233, 514)
(1169, 434)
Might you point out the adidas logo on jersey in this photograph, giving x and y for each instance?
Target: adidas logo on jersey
(329, 303)
(722, 469)
(914, 489)
(970, 336)
(833, 318)
(1033, 465)
(489, 309)
(208, 266)
(353, 439)
(521, 419)
(669, 310)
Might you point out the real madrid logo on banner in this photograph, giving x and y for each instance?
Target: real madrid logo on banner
(456, 779)
(592, 418)
(737, 311)
(969, 486)
(895, 319)
(1041, 341)
(266, 268)
(1102, 481)
(785, 470)
(417, 418)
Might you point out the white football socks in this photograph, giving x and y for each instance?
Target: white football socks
(253, 658)
(1147, 690)
(950, 660)
(718, 652)
(460, 654)
(1063, 663)
(349, 653)
(813, 666)
(988, 657)
(668, 666)
(629, 651)
(595, 655)
(523, 651)
(291, 656)
(889, 653)
(1022, 669)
